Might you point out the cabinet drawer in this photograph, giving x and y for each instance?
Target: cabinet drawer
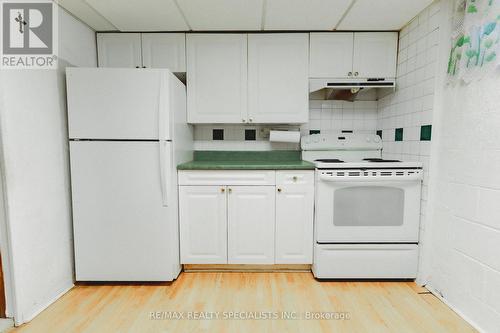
(365, 261)
(227, 177)
(304, 177)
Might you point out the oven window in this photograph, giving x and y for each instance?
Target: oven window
(368, 206)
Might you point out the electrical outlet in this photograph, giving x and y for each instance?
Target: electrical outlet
(264, 132)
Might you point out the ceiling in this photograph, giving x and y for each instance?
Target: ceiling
(244, 15)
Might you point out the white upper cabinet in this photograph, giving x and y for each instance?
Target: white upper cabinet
(119, 50)
(152, 50)
(216, 78)
(203, 224)
(349, 55)
(164, 50)
(330, 54)
(251, 213)
(375, 54)
(278, 78)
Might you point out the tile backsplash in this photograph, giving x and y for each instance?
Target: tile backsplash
(328, 116)
(405, 116)
(239, 137)
(325, 116)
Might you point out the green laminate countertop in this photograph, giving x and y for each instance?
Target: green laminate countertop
(247, 160)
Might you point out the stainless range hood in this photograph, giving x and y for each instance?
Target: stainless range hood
(348, 89)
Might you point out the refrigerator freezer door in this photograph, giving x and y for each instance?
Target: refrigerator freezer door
(122, 230)
(118, 103)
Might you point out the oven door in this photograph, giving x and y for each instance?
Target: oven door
(368, 209)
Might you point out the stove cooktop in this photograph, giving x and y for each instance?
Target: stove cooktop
(329, 160)
(366, 163)
(369, 160)
(379, 160)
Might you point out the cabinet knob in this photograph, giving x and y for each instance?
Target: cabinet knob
(356, 73)
(279, 189)
(349, 74)
(143, 66)
(229, 190)
(244, 120)
(250, 119)
(294, 178)
(223, 190)
(136, 66)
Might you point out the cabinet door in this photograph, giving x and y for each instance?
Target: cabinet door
(294, 224)
(375, 54)
(161, 50)
(278, 78)
(203, 224)
(251, 224)
(119, 50)
(216, 78)
(331, 54)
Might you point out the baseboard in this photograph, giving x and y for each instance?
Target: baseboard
(454, 309)
(246, 268)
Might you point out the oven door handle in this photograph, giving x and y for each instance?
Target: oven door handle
(370, 178)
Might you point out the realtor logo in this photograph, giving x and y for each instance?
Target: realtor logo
(28, 34)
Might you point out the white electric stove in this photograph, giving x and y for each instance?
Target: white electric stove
(367, 209)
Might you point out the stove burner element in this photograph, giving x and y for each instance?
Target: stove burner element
(329, 160)
(379, 160)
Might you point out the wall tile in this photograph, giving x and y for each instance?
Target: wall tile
(398, 135)
(425, 132)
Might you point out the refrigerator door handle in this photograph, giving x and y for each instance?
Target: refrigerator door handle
(165, 170)
(162, 111)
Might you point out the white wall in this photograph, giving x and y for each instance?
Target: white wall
(4, 247)
(35, 164)
(462, 245)
(77, 43)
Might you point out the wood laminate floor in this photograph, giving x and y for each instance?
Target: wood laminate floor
(369, 306)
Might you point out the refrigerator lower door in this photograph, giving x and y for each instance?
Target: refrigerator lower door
(123, 230)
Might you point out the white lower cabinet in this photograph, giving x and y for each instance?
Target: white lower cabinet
(251, 224)
(203, 227)
(294, 224)
(267, 218)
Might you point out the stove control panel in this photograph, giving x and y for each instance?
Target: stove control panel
(341, 141)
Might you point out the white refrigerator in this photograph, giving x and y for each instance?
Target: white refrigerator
(127, 132)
